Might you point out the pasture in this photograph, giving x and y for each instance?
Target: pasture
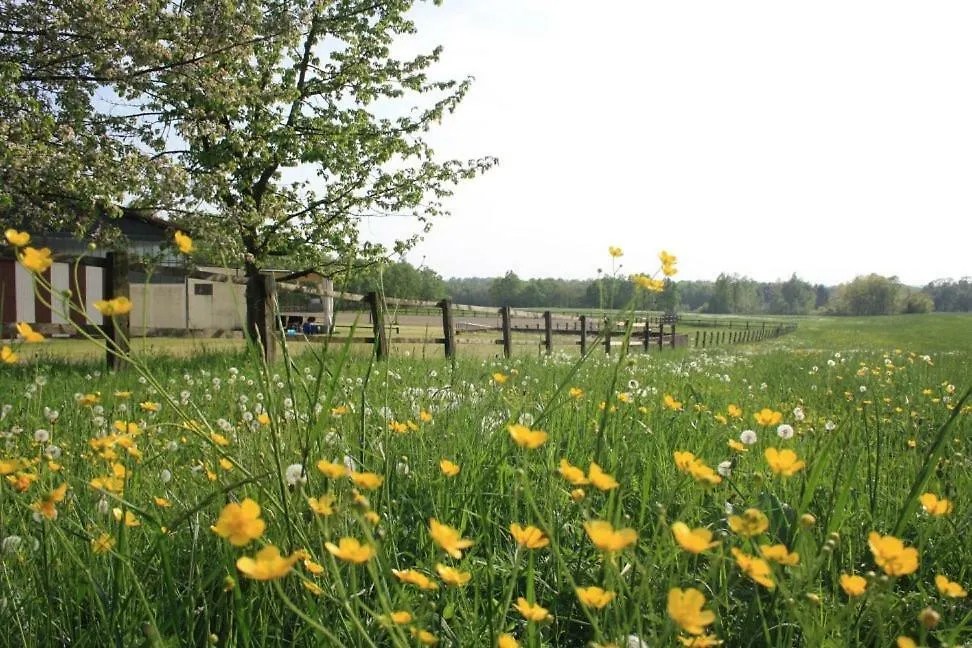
(202, 498)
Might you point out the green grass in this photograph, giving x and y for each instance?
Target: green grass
(172, 581)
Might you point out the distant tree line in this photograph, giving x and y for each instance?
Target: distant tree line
(729, 294)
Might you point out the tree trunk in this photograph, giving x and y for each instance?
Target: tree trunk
(256, 305)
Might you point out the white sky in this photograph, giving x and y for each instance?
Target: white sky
(829, 138)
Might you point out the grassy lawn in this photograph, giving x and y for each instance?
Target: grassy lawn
(121, 520)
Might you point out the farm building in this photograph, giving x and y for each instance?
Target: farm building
(167, 298)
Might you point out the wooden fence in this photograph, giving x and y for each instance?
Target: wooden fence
(651, 331)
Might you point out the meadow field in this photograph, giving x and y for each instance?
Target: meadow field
(811, 490)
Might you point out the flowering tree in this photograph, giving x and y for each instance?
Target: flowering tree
(267, 128)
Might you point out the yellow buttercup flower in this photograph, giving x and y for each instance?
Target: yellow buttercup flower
(448, 538)
(400, 617)
(452, 576)
(649, 284)
(905, 642)
(853, 585)
(768, 417)
(949, 588)
(240, 523)
(935, 506)
(35, 260)
(734, 411)
(424, 637)
(615, 252)
(531, 611)
(600, 479)
(527, 438)
(575, 392)
(17, 239)
(7, 355)
(350, 550)
(892, 556)
(530, 537)
(448, 468)
(778, 553)
(670, 403)
(27, 332)
(332, 470)
(693, 540)
(701, 641)
(784, 462)
(751, 523)
(507, 641)
(268, 564)
(367, 480)
(323, 505)
(594, 597)
(416, 578)
(47, 507)
(102, 544)
(756, 568)
(737, 446)
(685, 608)
(112, 307)
(127, 516)
(314, 568)
(184, 243)
(684, 460)
(500, 378)
(607, 539)
(162, 502)
(572, 473)
(703, 473)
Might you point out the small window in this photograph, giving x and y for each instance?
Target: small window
(204, 289)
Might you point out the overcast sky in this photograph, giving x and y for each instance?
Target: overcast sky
(826, 138)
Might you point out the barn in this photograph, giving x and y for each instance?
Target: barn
(167, 297)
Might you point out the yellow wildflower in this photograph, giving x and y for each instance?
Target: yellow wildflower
(452, 576)
(184, 243)
(571, 473)
(527, 438)
(35, 260)
(240, 523)
(891, 555)
(670, 403)
(778, 553)
(756, 568)
(530, 537)
(416, 578)
(332, 470)
(323, 505)
(594, 597)
(27, 332)
(768, 417)
(853, 585)
(935, 506)
(111, 307)
(448, 468)
(784, 462)
(102, 544)
(350, 550)
(693, 540)
(685, 608)
(607, 539)
(367, 480)
(751, 523)
(531, 611)
(17, 239)
(8, 356)
(949, 588)
(448, 538)
(600, 479)
(268, 564)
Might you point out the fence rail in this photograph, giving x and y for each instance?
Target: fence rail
(649, 331)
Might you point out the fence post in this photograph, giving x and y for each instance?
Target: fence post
(704, 334)
(696, 339)
(647, 339)
(448, 330)
(548, 331)
(661, 333)
(607, 336)
(114, 280)
(378, 325)
(507, 333)
(583, 332)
